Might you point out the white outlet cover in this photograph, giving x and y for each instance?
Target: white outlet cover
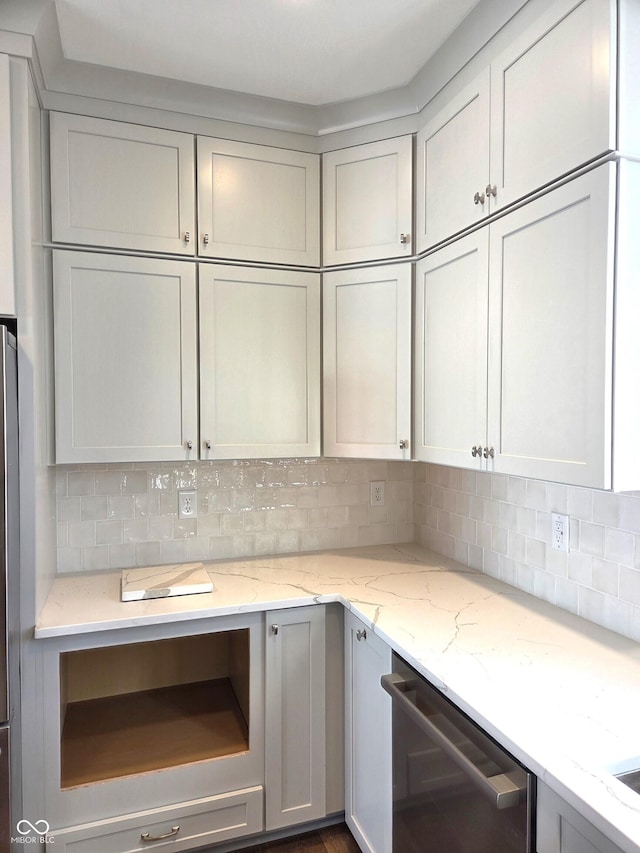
(377, 493)
(559, 531)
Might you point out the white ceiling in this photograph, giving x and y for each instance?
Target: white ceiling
(305, 51)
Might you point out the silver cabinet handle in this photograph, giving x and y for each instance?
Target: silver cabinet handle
(361, 634)
(478, 198)
(505, 790)
(403, 444)
(205, 239)
(476, 450)
(489, 453)
(405, 238)
(189, 445)
(275, 629)
(491, 189)
(207, 445)
(146, 838)
(187, 236)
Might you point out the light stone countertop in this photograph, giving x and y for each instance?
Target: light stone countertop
(561, 693)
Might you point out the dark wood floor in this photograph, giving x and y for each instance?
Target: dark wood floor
(331, 839)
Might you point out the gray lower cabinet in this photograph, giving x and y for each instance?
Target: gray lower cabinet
(368, 790)
(561, 829)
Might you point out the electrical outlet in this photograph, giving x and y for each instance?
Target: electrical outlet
(559, 531)
(377, 493)
(187, 503)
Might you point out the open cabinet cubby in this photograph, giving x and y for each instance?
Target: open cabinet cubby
(147, 706)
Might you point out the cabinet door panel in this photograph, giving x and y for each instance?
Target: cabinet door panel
(452, 165)
(367, 201)
(367, 362)
(259, 362)
(552, 98)
(117, 184)
(451, 352)
(125, 358)
(368, 785)
(295, 751)
(550, 364)
(7, 299)
(258, 203)
(561, 829)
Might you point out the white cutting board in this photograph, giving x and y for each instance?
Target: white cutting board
(164, 581)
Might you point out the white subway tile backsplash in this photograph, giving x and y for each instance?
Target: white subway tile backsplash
(600, 576)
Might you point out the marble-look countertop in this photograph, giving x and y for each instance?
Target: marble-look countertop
(561, 693)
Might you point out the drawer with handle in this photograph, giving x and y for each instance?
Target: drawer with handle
(186, 826)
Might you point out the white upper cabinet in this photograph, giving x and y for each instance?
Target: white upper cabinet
(125, 358)
(367, 202)
(367, 362)
(553, 98)
(451, 353)
(452, 166)
(258, 203)
(259, 362)
(549, 108)
(525, 338)
(550, 334)
(122, 185)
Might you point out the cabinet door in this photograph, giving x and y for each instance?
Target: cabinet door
(124, 185)
(553, 97)
(259, 363)
(561, 829)
(295, 743)
(258, 203)
(367, 362)
(367, 192)
(550, 333)
(368, 774)
(7, 299)
(125, 358)
(452, 166)
(451, 353)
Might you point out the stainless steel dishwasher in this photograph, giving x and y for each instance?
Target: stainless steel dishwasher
(455, 790)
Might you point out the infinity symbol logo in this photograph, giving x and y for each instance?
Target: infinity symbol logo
(40, 827)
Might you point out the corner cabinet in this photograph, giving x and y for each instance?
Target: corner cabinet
(488, 148)
(295, 756)
(258, 203)
(367, 202)
(561, 829)
(125, 358)
(121, 185)
(367, 362)
(521, 314)
(259, 363)
(368, 776)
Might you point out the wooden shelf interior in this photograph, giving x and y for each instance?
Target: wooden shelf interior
(146, 706)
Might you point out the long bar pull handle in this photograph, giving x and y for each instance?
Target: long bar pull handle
(146, 838)
(504, 790)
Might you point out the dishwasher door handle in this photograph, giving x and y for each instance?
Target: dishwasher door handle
(504, 790)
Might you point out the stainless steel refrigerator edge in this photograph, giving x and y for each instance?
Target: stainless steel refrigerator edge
(10, 774)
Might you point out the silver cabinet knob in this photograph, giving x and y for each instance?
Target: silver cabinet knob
(275, 629)
(478, 198)
(489, 453)
(187, 236)
(476, 450)
(491, 189)
(189, 445)
(207, 445)
(403, 444)
(405, 238)
(361, 634)
(205, 239)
